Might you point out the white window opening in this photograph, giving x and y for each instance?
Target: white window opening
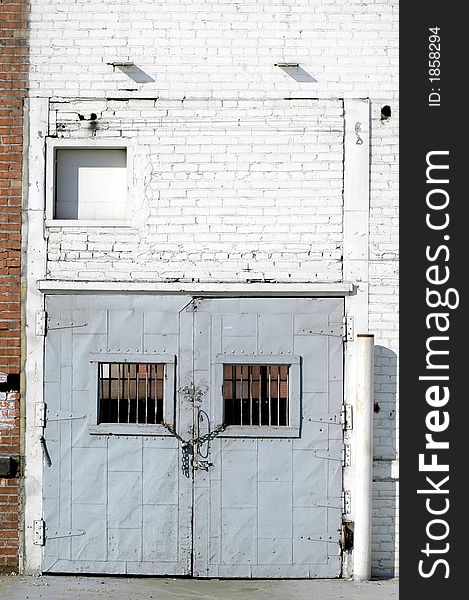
(90, 184)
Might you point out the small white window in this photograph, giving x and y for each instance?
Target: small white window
(90, 183)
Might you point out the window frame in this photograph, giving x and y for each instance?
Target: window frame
(52, 145)
(169, 395)
(294, 396)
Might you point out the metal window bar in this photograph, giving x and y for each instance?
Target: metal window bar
(131, 392)
(244, 385)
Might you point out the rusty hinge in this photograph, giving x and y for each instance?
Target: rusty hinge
(346, 502)
(39, 530)
(41, 322)
(347, 417)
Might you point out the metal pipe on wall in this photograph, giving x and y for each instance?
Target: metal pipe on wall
(363, 434)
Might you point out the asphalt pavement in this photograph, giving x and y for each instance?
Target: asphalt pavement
(57, 587)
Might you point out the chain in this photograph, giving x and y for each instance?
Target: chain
(187, 446)
(186, 458)
(211, 435)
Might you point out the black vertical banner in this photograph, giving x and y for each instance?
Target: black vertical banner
(433, 291)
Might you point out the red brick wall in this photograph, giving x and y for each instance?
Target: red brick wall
(13, 81)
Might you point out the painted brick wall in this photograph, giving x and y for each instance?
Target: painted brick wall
(222, 50)
(222, 191)
(13, 77)
(214, 48)
(9, 486)
(384, 323)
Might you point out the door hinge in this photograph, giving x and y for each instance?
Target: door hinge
(41, 322)
(333, 330)
(330, 418)
(39, 530)
(40, 414)
(328, 536)
(42, 533)
(346, 456)
(346, 502)
(347, 329)
(54, 325)
(347, 417)
(52, 534)
(63, 415)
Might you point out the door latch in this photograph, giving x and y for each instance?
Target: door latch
(202, 465)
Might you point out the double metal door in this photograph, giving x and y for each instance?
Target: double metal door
(193, 436)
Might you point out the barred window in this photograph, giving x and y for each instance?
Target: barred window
(131, 392)
(256, 394)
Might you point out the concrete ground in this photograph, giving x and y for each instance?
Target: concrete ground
(54, 587)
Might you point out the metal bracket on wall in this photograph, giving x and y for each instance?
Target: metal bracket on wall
(346, 502)
(39, 529)
(40, 414)
(41, 322)
(347, 417)
(346, 456)
(348, 329)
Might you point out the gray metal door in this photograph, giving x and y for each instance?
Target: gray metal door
(270, 506)
(254, 386)
(115, 497)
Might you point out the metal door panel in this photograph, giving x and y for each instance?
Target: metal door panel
(239, 536)
(306, 491)
(274, 509)
(239, 476)
(164, 322)
(80, 427)
(160, 344)
(92, 545)
(108, 567)
(126, 457)
(87, 344)
(269, 493)
(96, 483)
(238, 325)
(165, 485)
(314, 378)
(160, 534)
(275, 551)
(309, 526)
(239, 345)
(315, 405)
(124, 504)
(125, 544)
(125, 331)
(124, 500)
(89, 320)
(314, 436)
(275, 334)
(89, 466)
(274, 466)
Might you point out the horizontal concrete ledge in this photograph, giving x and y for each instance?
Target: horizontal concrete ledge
(346, 288)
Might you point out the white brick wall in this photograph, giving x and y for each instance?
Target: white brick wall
(222, 191)
(235, 183)
(384, 323)
(214, 48)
